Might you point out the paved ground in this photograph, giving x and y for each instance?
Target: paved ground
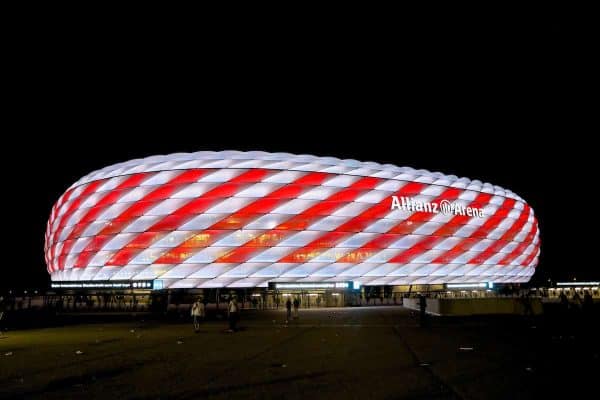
(364, 353)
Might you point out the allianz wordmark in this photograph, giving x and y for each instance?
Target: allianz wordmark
(443, 207)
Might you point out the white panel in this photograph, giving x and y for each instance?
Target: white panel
(258, 190)
(153, 271)
(406, 242)
(70, 260)
(135, 194)
(89, 273)
(330, 255)
(284, 177)
(295, 206)
(101, 258)
(351, 209)
(433, 190)
(230, 205)
(383, 256)
(113, 211)
(105, 273)
(300, 239)
(336, 169)
(468, 195)
(212, 270)
(161, 178)
(173, 239)
(64, 234)
(222, 175)
(245, 269)
(142, 224)
(441, 218)
(523, 233)
(148, 256)
(381, 226)
(76, 217)
(92, 200)
(167, 207)
(318, 193)
(273, 254)
(373, 197)
(209, 254)
(496, 234)
(341, 181)
(181, 271)
(357, 240)
(391, 185)
(482, 245)
(328, 223)
(465, 231)
(194, 190)
(119, 241)
(201, 221)
(447, 243)
(128, 272)
(428, 256)
(509, 247)
(427, 228)
(94, 228)
(238, 238)
(490, 209)
(465, 257)
(399, 215)
(268, 221)
(111, 183)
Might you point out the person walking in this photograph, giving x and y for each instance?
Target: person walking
(198, 313)
(422, 308)
(296, 306)
(288, 307)
(232, 314)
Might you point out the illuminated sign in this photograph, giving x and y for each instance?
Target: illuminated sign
(103, 285)
(309, 285)
(577, 283)
(470, 285)
(444, 207)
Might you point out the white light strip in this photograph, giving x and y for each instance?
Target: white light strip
(577, 283)
(337, 285)
(466, 285)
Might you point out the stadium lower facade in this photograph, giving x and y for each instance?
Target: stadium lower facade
(254, 219)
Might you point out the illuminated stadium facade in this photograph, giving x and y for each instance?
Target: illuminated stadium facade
(251, 219)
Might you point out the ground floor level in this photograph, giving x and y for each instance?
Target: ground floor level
(327, 353)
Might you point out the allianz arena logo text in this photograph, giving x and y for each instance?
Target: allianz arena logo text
(443, 207)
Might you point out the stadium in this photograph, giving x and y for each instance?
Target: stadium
(236, 220)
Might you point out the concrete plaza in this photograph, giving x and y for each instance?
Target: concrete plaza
(343, 353)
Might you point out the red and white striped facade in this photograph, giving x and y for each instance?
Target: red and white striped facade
(243, 219)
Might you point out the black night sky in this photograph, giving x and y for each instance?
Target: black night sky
(502, 103)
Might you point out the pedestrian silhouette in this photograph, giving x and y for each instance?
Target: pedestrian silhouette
(288, 307)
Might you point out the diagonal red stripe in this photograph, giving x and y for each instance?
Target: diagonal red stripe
(90, 216)
(522, 246)
(300, 221)
(244, 216)
(481, 233)
(503, 241)
(191, 209)
(448, 229)
(350, 227)
(407, 227)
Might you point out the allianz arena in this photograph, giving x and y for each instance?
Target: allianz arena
(248, 219)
